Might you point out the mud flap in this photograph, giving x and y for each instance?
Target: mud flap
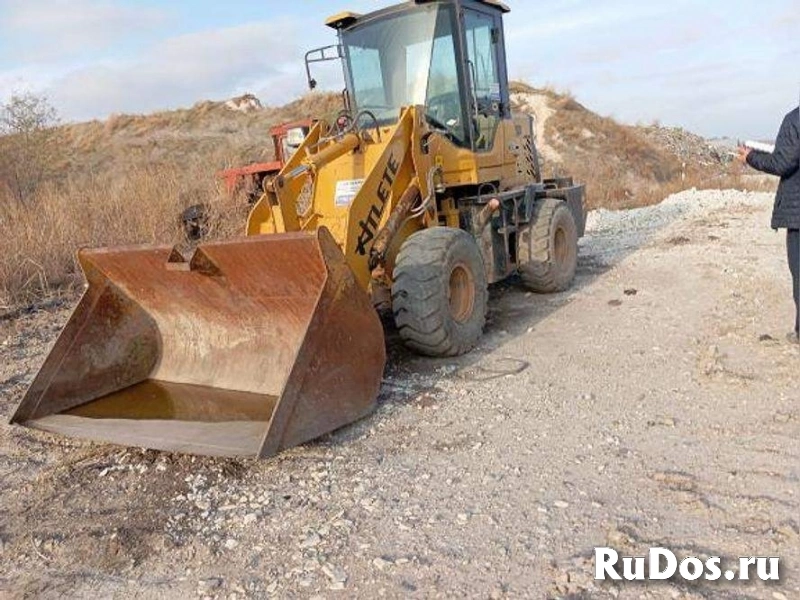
(249, 347)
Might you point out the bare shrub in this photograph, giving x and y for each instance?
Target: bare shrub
(30, 146)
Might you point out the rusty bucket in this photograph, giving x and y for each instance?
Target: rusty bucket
(247, 348)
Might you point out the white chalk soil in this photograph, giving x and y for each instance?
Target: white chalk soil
(539, 107)
(654, 404)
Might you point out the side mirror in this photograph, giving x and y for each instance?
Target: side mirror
(324, 54)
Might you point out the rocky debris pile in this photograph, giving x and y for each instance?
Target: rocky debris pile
(723, 144)
(691, 148)
(634, 227)
(683, 204)
(246, 103)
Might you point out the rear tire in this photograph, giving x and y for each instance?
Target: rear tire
(439, 294)
(549, 248)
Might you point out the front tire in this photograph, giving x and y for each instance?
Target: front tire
(439, 294)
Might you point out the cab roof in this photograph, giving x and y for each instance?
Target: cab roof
(343, 20)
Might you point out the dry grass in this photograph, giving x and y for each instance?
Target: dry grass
(613, 186)
(622, 165)
(39, 254)
(126, 181)
(208, 132)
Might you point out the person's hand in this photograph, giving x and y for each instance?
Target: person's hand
(742, 152)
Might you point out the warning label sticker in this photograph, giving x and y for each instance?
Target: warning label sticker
(346, 190)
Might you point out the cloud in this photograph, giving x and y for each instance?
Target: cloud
(38, 30)
(21, 79)
(557, 20)
(181, 70)
(788, 19)
(677, 38)
(674, 60)
(712, 99)
(710, 70)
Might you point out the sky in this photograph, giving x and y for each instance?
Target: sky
(719, 68)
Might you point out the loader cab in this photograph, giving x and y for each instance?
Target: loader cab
(445, 55)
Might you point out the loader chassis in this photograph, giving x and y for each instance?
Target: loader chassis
(250, 179)
(428, 93)
(423, 191)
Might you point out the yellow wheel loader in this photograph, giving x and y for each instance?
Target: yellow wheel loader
(425, 190)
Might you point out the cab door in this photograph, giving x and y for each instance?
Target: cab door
(486, 76)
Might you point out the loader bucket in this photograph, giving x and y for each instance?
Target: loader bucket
(249, 347)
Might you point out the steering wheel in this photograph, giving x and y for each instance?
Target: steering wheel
(444, 109)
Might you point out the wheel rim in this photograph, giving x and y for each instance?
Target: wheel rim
(560, 246)
(462, 293)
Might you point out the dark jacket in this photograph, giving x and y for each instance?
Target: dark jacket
(785, 163)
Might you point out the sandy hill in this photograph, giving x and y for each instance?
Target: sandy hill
(126, 179)
(218, 134)
(624, 165)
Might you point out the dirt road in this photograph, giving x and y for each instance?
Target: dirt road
(655, 404)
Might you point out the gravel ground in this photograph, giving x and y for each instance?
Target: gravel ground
(654, 404)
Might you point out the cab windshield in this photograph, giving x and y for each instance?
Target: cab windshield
(407, 59)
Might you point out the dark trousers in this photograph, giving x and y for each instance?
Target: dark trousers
(793, 254)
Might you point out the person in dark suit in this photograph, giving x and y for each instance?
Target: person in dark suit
(784, 162)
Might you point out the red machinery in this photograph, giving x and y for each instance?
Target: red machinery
(250, 179)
